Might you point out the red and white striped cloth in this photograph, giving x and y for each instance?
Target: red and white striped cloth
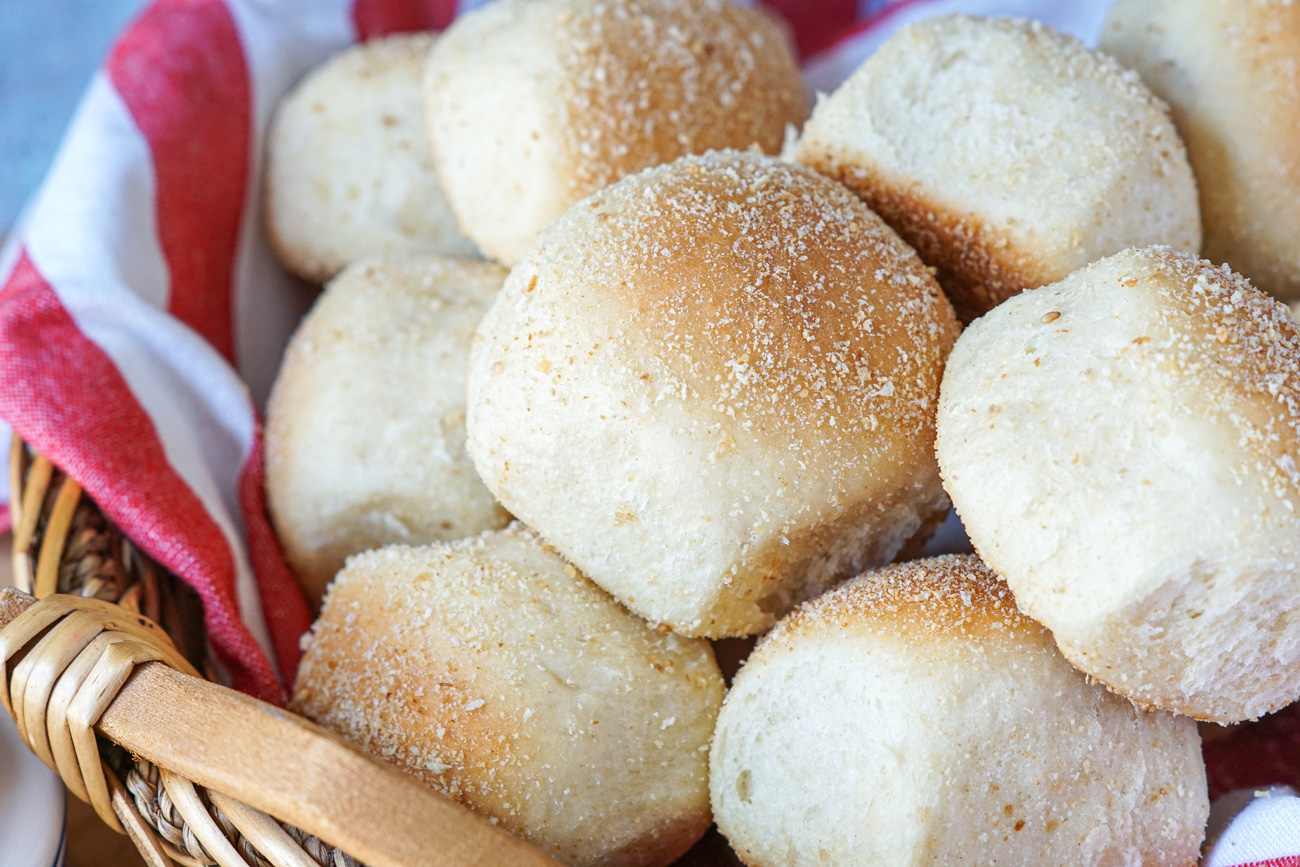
(142, 317)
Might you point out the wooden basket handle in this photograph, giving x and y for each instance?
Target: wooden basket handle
(248, 753)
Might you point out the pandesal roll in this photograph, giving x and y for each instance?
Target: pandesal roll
(349, 173)
(1229, 71)
(915, 717)
(493, 671)
(535, 104)
(1006, 153)
(712, 387)
(1122, 448)
(365, 433)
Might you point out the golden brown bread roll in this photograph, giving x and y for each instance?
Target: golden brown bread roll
(712, 387)
(534, 104)
(492, 670)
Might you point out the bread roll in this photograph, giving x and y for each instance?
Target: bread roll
(914, 717)
(1122, 448)
(348, 168)
(1006, 153)
(1229, 70)
(492, 670)
(534, 104)
(712, 386)
(365, 433)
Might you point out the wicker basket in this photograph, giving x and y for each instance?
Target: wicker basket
(195, 773)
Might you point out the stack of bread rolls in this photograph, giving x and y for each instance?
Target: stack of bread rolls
(712, 384)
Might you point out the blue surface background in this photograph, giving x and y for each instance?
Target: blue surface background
(49, 49)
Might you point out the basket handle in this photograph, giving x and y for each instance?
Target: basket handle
(285, 766)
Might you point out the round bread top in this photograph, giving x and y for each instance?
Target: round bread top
(1008, 153)
(718, 73)
(365, 435)
(757, 289)
(349, 174)
(535, 104)
(492, 670)
(1231, 73)
(921, 604)
(732, 362)
(1144, 323)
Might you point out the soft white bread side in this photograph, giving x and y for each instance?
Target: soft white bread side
(1122, 448)
(712, 387)
(1006, 153)
(492, 670)
(534, 104)
(1230, 70)
(365, 431)
(348, 170)
(914, 717)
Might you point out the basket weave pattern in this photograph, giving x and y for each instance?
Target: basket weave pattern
(63, 661)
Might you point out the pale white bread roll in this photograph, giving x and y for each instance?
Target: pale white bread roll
(1007, 153)
(712, 386)
(348, 170)
(534, 104)
(493, 671)
(1122, 448)
(365, 431)
(914, 717)
(1230, 71)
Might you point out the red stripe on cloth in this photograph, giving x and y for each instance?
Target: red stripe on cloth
(64, 395)
(847, 35)
(283, 602)
(1256, 754)
(180, 70)
(6, 518)
(815, 25)
(1284, 861)
(371, 18)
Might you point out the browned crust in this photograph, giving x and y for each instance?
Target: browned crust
(357, 680)
(419, 666)
(737, 258)
(976, 266)
(676, 77)
(955, 596)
